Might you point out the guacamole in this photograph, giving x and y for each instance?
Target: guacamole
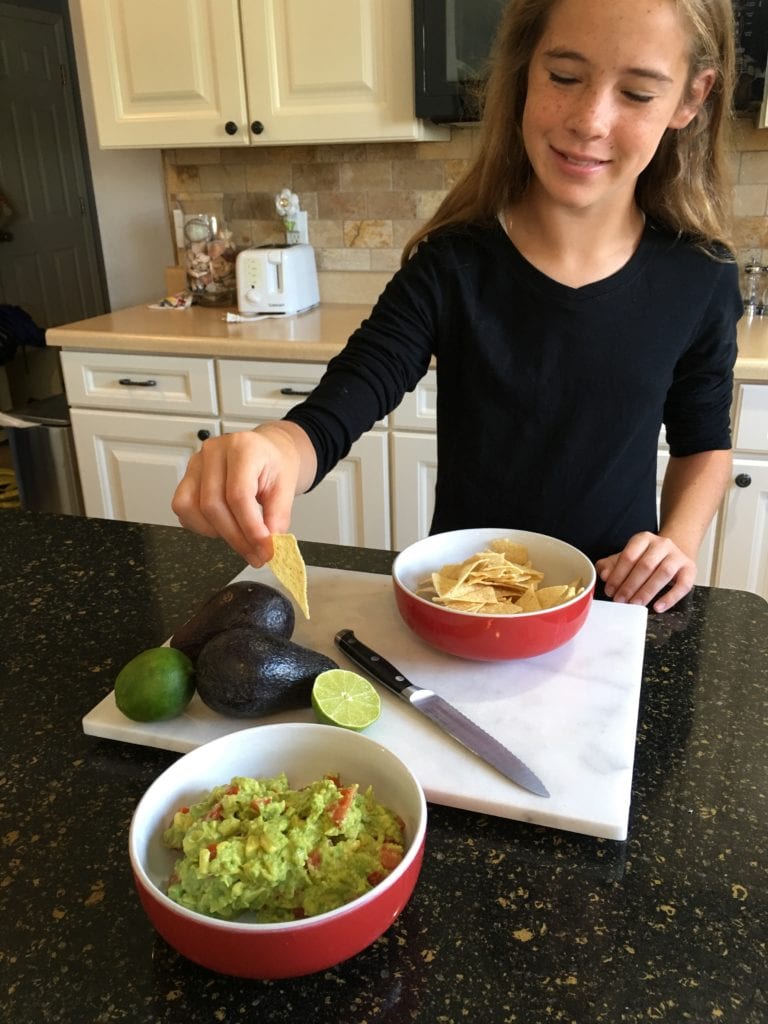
(283, 854)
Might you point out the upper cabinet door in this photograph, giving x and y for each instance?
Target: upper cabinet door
(170, 73)
(330, 71)
(166, 73)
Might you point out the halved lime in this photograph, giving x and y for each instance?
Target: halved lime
(344, 698)
(155, 685)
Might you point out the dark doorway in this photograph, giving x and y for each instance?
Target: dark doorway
(51, 265)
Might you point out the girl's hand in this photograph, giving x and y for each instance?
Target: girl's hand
(241, 487)
(647, 565)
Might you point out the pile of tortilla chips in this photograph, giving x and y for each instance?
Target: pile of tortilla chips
(497, 581)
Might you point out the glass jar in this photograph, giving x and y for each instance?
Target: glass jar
(209, 260)
(755, 277)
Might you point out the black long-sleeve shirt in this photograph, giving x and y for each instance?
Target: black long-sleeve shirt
(550, 399)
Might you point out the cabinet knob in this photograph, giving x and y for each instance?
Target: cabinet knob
(203, 435)
(743, 480)
(257, 127)
(230, 128)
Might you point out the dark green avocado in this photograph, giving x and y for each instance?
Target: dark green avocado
(242, 603)
(243, 673)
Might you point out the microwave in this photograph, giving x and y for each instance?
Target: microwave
(452, 42)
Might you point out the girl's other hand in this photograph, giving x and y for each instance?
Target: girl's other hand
(647, 565)
(241, 487)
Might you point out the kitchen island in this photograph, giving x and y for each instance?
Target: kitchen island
(509, 922)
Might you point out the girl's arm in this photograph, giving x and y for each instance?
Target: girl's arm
(693, 489)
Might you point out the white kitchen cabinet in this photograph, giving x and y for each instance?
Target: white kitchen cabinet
(136, 419)
(413, 458)
(414, 472)
(742, 561)
(146, 383)
(251, 72)
(130, 463)
(351, 505)
(133, 445)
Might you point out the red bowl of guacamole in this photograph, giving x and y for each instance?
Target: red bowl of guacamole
(242, 945)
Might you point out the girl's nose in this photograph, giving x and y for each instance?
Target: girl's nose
(591, 114)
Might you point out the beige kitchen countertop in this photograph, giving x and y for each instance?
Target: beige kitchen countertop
(314, 336)
(752, 360)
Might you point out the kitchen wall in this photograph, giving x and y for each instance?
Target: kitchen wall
(365, 200)
(130, 203)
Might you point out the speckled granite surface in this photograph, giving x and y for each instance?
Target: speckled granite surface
(509, 922)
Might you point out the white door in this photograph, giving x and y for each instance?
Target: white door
(743, 562)
(351, 505)
(166, 73)
(414, 462)
(130, 464)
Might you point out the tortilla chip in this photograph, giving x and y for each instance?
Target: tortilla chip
(511, 550)
(550, 596)
(529, 601)
(289, 568)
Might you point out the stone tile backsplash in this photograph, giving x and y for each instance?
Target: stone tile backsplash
(364, 200)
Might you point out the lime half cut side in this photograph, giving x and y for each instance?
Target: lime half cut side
(345, 699)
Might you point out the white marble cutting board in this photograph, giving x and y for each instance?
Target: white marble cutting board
(571, 715)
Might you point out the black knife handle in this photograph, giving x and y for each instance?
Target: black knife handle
(371, 662)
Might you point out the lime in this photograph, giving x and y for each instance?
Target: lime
(344, 698)
(155, 685)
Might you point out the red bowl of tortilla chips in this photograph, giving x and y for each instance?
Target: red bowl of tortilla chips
(493, 594)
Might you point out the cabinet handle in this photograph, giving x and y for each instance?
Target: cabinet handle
(230, 128)
(257, 127)
(295, 391)
(128, 383)
(203, 435)
(743, 480)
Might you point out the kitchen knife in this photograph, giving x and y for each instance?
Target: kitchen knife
(443, 714)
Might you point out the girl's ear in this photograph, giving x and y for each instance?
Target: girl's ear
(697, 92)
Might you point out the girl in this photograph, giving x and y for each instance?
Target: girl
(576, 293)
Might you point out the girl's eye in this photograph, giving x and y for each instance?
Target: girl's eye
(638, 97)
(561, 79)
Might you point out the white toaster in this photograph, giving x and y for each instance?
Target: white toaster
(276, 279)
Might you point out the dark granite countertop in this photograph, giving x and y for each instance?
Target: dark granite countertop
(509, 922)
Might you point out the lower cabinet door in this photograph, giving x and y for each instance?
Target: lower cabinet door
(351, 505)
(743, 561)
(130, 464)
(414, 458)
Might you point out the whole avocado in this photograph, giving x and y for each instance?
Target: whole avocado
(244, 673)
(242, 603)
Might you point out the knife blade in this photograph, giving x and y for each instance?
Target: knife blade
(443, 714)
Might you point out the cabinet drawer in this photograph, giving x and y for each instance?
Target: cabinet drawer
(266, 391)
(752, 423)
(140, 383)
(418, 409)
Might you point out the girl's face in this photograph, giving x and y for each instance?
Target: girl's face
(607, 78)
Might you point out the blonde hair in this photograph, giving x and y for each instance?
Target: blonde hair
(686, 186)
